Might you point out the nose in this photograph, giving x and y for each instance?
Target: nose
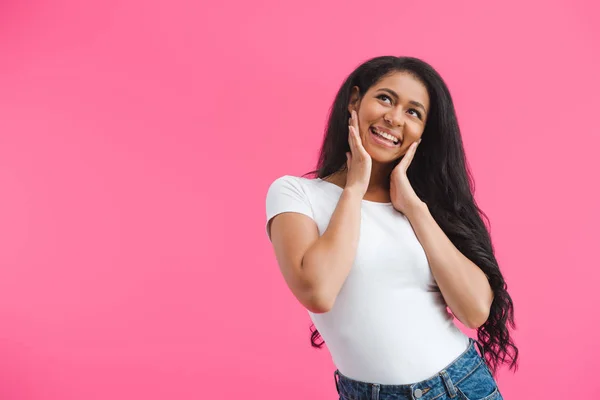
(395, 117)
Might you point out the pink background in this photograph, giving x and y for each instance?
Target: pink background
(137, 142)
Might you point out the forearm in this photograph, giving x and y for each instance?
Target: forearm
(328, 261)
(463, 284)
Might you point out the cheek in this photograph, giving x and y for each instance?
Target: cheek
(412, 134)
(371, 112)
(364, 127)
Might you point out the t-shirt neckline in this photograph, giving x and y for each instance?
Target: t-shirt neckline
(363, 200)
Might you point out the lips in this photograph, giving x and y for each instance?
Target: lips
(389, 132)
(382, 141)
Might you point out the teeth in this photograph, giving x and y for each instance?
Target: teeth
(386, 135)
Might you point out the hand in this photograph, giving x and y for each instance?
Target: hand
(358, 160)
(404, 198)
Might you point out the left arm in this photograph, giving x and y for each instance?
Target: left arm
(463, 284)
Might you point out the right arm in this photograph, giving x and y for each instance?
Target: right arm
(314, 267)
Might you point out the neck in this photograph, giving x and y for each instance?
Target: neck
(379, 177)
(378, 182)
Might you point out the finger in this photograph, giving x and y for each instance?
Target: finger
(359, 144)
(352, 139)
(355, 124)
(416, 147)
(403, 164)
(357, 137)
(410, 154)
(355, 119)
(357, 149)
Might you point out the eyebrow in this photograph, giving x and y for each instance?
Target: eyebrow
(413, 102)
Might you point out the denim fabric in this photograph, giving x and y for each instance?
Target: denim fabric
(466, 378)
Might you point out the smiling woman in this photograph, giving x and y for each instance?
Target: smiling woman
(392, 121)
(387, 236)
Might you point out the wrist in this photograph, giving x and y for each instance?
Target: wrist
(353, 193)
(416, 209)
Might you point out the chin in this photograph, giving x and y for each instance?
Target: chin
(383, 155)
(376, 156)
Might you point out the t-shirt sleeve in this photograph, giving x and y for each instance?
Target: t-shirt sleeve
(286, 194)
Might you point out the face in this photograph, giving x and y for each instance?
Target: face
(391, 115)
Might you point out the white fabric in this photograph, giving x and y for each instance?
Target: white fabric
(389, 323)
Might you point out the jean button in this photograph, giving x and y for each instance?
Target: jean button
(418, 393)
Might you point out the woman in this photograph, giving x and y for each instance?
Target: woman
(378, 252)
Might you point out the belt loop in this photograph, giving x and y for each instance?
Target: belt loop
(335, 378)
(448, 383)
(375, 392)
(481, 351)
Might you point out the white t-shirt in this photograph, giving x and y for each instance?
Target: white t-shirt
(389, 323)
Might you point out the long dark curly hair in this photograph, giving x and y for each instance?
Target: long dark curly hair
(440, 176)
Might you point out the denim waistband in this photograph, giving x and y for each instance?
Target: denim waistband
(429, 389)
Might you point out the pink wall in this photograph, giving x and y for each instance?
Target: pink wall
(137, 141)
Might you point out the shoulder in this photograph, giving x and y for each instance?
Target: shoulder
(289, 194)
(296, 184)
(287, 180)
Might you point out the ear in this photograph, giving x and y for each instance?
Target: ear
(354, 99)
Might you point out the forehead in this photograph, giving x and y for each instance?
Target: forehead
(405, 85)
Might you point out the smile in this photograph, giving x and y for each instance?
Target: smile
(383, 138)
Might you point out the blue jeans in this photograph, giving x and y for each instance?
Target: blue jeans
(466, 378)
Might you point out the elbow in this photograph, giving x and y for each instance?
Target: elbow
(478, 319)
(316, 297)
(318, 304)
(318, 301)
(318, 308)
(474, 324)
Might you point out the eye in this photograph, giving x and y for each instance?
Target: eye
(417, 112)
(381, 96)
